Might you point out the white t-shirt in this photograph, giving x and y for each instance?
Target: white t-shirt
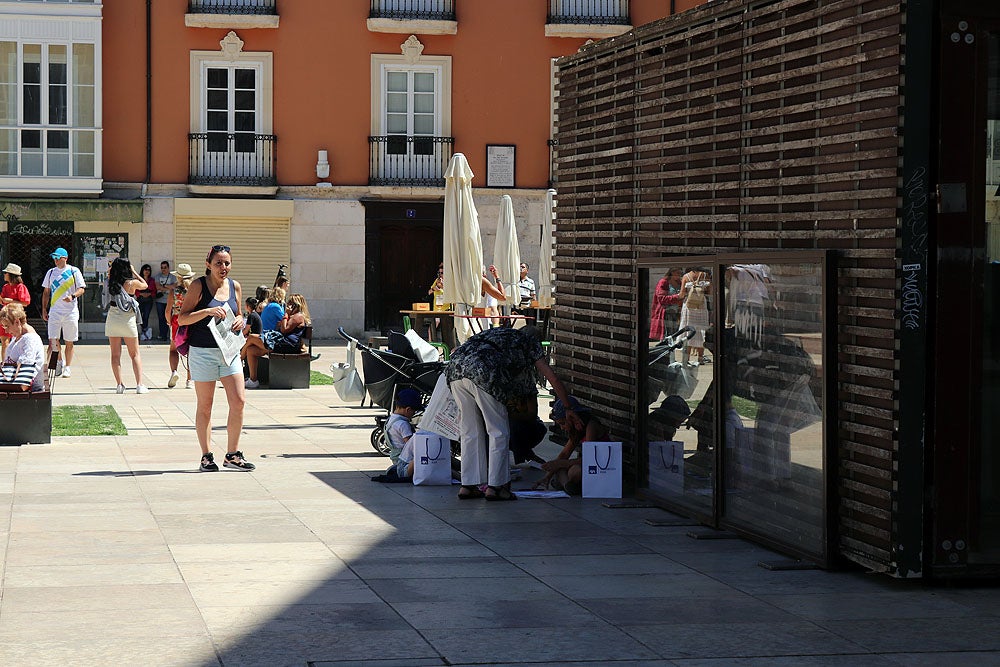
(56, 276)
(398, 428)
(29, 349)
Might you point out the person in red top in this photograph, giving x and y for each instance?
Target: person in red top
(14, 291)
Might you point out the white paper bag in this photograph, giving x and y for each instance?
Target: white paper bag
(441, 414)
(602, 470)
(346, 380)
(666, 467)
(431, 459)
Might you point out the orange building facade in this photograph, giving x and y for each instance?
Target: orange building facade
(312, 133)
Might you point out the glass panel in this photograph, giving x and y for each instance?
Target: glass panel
(423, 103)
(83, 64)
(245, 143)
(31, 73)
(84, 110)
(395, 103)
(396, 81)
(246, 100)
(423, 82)
(218, 120)
(83, 153)
(773, 390)
(8, 83)
(986, 547)
(83, 165)
(396, 124)
(246, 79)
(218, 78)
(218, 142)
(217, 99)
(245, 122)
(58, 139)
(423, 125)
(8, 152)
(680, 422)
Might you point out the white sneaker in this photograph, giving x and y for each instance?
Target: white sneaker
(141, 389)
(120, 389)
(188, 384)
(174, 377)
(251, 384)
(67, 372)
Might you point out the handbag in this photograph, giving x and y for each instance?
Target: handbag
(431, 459)
(602, 469)
(181, 340)
(346, 379)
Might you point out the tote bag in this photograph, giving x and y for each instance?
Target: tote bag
(346, 380)
(666, 467)
(431, 459)
(602, 470)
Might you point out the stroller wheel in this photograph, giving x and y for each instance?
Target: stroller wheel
(379, 443)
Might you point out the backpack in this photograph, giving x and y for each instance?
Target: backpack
(696, 292)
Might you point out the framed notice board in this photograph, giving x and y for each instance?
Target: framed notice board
(500, 165)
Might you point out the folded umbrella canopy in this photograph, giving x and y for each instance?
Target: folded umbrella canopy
(544, 286)
(506, 253)
(463, 245)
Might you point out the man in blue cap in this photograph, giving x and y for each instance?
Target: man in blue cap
(62, 287)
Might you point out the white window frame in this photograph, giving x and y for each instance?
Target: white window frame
(262, 60)
(382, 63)
(55, 24)
(231, 111)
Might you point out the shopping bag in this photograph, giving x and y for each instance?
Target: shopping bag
(602, 470)
(346, 379)
(421, 348)
(666, 467)
(431, 459)
(441, 414)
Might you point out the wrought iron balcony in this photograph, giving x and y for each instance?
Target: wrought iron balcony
(399, 159)
(234, 7)
(242, 159)
(413, 10)
(588, 12)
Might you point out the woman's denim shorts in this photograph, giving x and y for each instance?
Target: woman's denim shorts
(208, 365)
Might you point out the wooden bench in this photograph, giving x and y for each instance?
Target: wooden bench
(287, 371)
(26, 416)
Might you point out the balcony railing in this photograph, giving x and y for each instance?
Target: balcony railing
(240, 159)
(423, 10)
(234, 7)
(588, 12)
(406, 160)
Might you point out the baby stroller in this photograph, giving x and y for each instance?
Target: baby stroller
(386, 372)
(666, 375)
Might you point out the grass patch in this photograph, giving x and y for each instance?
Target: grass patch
(315, 377)
(86, 420)
(745, 408)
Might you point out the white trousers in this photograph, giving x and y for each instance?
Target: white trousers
(485, 435)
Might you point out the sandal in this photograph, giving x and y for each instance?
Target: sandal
(496, 493)
(470, 492)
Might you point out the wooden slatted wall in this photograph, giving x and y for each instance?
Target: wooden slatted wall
(736, 127)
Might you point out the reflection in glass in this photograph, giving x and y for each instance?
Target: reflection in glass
(772, 392)
(680, 423)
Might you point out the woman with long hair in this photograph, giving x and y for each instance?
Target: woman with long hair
(122, 321)
(14, 291)
(147, 299)
(286, 339)
(205, 303)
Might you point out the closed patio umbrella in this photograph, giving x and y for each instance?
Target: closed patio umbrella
(544, 287)
(463, 245)
(506, 253)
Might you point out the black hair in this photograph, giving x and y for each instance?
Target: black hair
(143, 268)
(252, 302)
(121, 272)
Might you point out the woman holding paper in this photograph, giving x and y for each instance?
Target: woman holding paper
(213, 298)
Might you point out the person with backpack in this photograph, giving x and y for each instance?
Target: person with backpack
(695, 287)
(123, 322)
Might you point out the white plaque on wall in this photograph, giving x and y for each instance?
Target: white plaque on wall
(500, 165)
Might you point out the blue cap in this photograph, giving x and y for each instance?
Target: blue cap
(59, 252)
(559, 410)
(408, 398)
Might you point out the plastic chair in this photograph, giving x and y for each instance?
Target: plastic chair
(406, 323)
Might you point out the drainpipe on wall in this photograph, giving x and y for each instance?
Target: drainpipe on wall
(149, 96)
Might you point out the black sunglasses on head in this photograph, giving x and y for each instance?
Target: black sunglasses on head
(217, 248)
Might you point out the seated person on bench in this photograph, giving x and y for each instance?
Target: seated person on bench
(286, 339)
(26, 352)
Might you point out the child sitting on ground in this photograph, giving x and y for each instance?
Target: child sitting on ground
(399, 432)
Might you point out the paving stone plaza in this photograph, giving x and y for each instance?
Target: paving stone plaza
(116, 551)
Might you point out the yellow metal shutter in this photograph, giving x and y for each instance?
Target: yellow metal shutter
(258, 246)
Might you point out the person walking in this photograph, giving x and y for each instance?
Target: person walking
(62, 286)
(147, 299)
(123, 321)
(207, 299)
(484, 373)
(165, 283)
(14, 291)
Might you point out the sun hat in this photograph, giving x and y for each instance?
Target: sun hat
(12, 269)
(183, 271)
(59, 253)
(408, 398)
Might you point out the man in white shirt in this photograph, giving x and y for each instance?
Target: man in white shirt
(62, 286)
(526, 289)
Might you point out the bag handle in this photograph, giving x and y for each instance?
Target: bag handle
(351, 346)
